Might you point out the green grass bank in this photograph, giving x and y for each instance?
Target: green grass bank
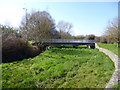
(112, 47)
(59, 68)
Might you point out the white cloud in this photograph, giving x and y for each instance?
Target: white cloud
(10, 15)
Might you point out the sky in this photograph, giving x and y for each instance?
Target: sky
(87, 17)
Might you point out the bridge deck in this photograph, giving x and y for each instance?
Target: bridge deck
(66, 41)
(74, 42)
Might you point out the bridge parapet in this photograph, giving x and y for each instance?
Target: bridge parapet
(74, 42)
(66, 41)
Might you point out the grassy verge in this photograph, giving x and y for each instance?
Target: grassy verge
(111, 47)
(116, 86)
(59, 68)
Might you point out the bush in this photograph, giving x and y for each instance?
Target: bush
(17, 49)
(40, 45)
(90, 37)
(103, 39)
(97, 39)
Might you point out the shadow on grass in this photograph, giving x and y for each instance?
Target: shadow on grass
(70, 51)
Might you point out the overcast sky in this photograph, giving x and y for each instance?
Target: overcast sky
(86, 17)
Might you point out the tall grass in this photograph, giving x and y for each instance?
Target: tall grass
(59, 68)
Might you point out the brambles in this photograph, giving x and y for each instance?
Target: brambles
(14, 47)
(17, 49)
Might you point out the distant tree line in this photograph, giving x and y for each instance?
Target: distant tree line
(40, 25)
(85, 37)
(110, 35)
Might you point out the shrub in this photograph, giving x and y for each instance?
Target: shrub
(97, 39)
(40, 45)
(17, 49)
(103, 39)
(90, 37)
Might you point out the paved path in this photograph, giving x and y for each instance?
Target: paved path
(115, 79)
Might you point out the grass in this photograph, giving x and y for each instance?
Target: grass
(66, 46)
(116, 86)
(30, 42)
(59, 68)
(71, 46)
(111, 47)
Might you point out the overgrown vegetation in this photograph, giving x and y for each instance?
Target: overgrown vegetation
(111, 47)
(59, 68)
(14, 47)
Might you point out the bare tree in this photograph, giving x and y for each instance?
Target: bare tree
(64, 29)
(7, 32)
(113, 33)
(39, 25)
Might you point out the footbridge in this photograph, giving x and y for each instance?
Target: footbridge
(74, 42)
